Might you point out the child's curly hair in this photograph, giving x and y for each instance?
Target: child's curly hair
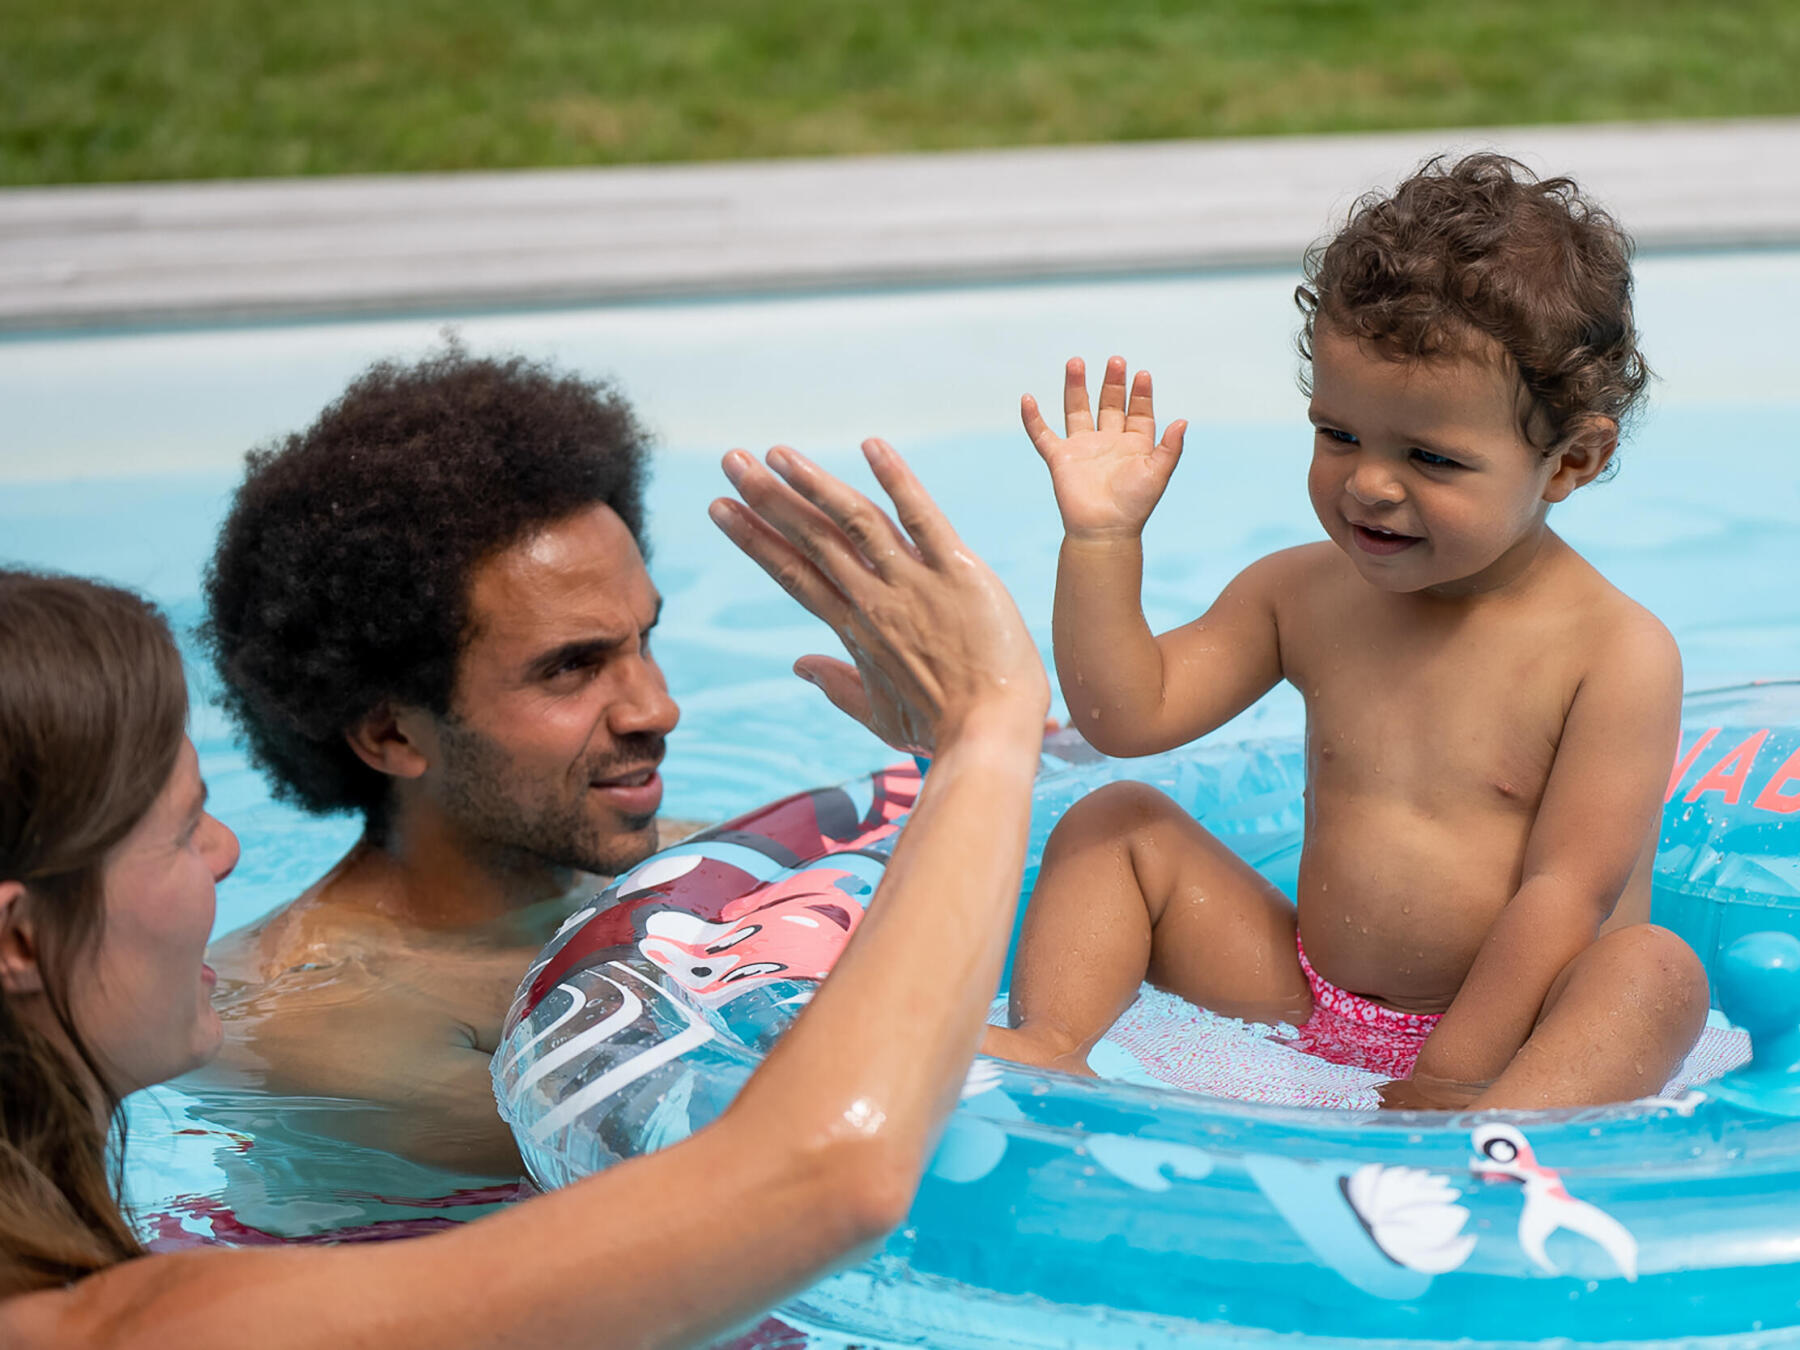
(1482, 246)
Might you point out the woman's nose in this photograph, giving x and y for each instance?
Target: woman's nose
(224, 848)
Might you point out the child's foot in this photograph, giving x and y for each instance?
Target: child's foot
(1021, 1047)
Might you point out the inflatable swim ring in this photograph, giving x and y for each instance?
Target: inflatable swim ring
(1062, 1211)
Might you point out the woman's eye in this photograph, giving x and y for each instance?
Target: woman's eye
(1341, 437)
(1431, 459)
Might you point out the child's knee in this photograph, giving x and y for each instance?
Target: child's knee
(1663, 966)
(1116, 811)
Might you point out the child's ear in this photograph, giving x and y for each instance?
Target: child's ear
(18, 945)
(1582, 457)
(392, 739)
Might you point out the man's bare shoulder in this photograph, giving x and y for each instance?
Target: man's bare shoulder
(341, 916)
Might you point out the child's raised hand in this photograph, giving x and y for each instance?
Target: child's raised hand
(1108, 477)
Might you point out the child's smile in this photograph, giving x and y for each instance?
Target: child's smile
(1381, 542)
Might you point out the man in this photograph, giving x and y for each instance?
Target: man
(431, 608)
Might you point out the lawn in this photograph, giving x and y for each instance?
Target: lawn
(99, 90)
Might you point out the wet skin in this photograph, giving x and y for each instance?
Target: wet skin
(387, 981)
(1489, 727)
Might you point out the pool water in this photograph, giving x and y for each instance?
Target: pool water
(119, 455)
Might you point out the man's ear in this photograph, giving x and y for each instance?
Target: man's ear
(19, 972)
(1582, 457)
(393, 739)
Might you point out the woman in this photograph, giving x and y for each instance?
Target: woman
(108, 863)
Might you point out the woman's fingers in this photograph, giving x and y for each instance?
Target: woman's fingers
(797, 520)
(919, 515)
(864, 524)
(1112, 395)
(793, 572)
(840, 683)
(1076, 416)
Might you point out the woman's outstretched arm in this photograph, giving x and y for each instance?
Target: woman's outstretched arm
(820, 1155)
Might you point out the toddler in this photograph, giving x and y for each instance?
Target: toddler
(1489, 722)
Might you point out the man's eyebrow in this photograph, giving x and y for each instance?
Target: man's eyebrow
(585, 648)
(579, 650)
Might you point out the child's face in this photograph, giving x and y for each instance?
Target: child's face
(1420, 470)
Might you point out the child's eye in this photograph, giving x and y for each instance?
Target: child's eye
(1341, 437)
(1431, 459)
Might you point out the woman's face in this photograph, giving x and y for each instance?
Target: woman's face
(145, 1008)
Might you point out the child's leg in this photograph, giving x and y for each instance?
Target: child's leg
(1616, 1025)
(1133, 888)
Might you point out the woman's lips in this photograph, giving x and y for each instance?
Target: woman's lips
(633, 794)
(1381, 542)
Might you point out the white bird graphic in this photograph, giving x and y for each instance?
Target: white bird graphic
(1502, 1153)
(1412, 1215)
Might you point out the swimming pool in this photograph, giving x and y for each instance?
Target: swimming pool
(119, 451)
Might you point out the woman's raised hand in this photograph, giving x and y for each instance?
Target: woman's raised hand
(937, 642)
(1108, 476)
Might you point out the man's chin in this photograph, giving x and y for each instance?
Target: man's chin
(623, 849)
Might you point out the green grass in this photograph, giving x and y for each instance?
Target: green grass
(96, 90)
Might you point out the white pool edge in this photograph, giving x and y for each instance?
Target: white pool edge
(87, 257)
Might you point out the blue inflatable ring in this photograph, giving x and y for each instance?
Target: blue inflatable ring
(1063, 1211)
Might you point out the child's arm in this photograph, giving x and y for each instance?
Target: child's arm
(1601, 803)
(1129, 691)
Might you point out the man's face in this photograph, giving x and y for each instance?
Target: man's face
(558, 717)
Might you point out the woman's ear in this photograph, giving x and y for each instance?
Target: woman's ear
(1582, 457)
(19, 972)
(392, 740)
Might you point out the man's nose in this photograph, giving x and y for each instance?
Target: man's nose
(644, 705)
(1373, 483)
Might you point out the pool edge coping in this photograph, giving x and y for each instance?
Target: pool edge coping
(77, 259)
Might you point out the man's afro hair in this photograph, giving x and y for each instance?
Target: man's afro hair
(342, 573)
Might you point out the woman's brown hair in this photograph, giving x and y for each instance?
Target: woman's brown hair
(93, 708)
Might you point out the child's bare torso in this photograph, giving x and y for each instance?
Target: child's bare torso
(1432, 727)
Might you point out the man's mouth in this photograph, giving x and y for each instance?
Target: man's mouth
(637, 779)
(1374, 539)
(638, 793)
